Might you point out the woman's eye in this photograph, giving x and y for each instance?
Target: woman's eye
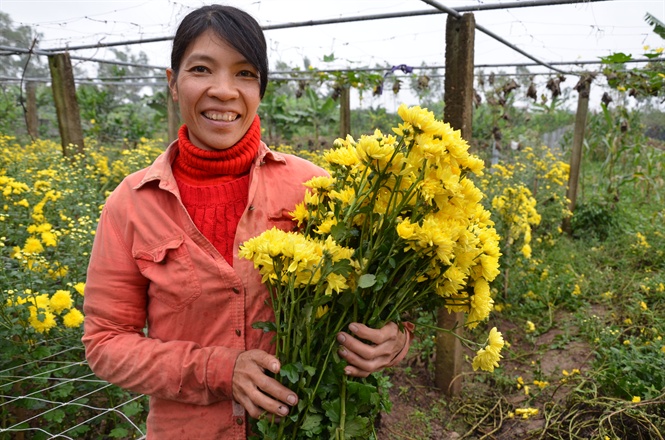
(248, 74)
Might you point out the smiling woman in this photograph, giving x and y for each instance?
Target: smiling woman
(166, 251)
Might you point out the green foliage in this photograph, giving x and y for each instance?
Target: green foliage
(50, 211)
(616, 143)
(594, 219)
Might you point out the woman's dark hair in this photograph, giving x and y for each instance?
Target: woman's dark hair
(236, 27)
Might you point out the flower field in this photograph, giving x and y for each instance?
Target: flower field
(583, 316)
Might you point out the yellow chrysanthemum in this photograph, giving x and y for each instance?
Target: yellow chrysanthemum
(49, 239)
(60, 301)
(321, 311)
(300, 214)
(346, 156)
(80, 288)
(488, 357)
(481, 303)
(74, 318)
(335, 282)
(33, 246)
(41, 319)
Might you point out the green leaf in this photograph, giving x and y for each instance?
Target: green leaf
(357, 427)
(312, 424)
(266, 326)
(119, 432)
(56, 416)
(332, 408)
(291, 372)
(366, 281)
(616, 58)
(132, 409)
(329, 58)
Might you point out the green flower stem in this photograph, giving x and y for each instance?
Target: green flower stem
(342, 411)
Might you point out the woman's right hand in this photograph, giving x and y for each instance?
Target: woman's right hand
(257, 392)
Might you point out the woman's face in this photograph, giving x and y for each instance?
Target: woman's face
(218, 92)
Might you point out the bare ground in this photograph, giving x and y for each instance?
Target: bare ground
(422, 411)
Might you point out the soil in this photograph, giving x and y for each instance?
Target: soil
(422, 411)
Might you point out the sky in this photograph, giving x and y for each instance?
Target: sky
(562, 33)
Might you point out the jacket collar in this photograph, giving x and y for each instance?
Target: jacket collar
(161, 169)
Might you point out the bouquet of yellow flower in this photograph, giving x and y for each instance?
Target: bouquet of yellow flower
(398, 225)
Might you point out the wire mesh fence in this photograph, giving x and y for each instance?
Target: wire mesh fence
(58, 396)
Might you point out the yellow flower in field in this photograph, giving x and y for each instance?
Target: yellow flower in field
(577, 290)
(530, 327)
(541, 383)
(643, 306)
(488, 358)
(628, 321)
(23, 202)
(642, 241)
(33, 246)
(526, 250)
(626, 342)
(41, 319)
(406, 229)
(49, 239)
(58, 272)
(80, 288)
(526, 412)
(60, 301)
(73, 318)
(637, 399)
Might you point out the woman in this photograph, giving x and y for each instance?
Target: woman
(169, 306)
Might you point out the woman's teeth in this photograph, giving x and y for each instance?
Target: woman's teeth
(227, 117)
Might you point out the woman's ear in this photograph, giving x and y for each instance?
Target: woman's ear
(171, 79)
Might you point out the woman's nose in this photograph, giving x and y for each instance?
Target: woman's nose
(223, 87)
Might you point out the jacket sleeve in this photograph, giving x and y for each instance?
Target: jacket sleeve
(117, 349)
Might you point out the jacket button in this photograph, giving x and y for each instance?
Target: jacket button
(239, 420)
(238, 332)
(236, 290)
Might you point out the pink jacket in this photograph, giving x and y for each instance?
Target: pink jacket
(165, 314)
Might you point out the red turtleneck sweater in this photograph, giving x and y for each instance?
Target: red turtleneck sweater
(214, 185)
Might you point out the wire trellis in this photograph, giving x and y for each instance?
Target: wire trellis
(57, 397)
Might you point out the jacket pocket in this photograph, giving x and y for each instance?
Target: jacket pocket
(282, 220)
(169, 267)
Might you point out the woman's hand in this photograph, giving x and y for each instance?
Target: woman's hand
(257, 392)
(382, 347)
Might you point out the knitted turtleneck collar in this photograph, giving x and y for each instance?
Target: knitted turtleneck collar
(194, 165)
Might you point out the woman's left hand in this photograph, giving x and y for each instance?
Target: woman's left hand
(382, 347)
